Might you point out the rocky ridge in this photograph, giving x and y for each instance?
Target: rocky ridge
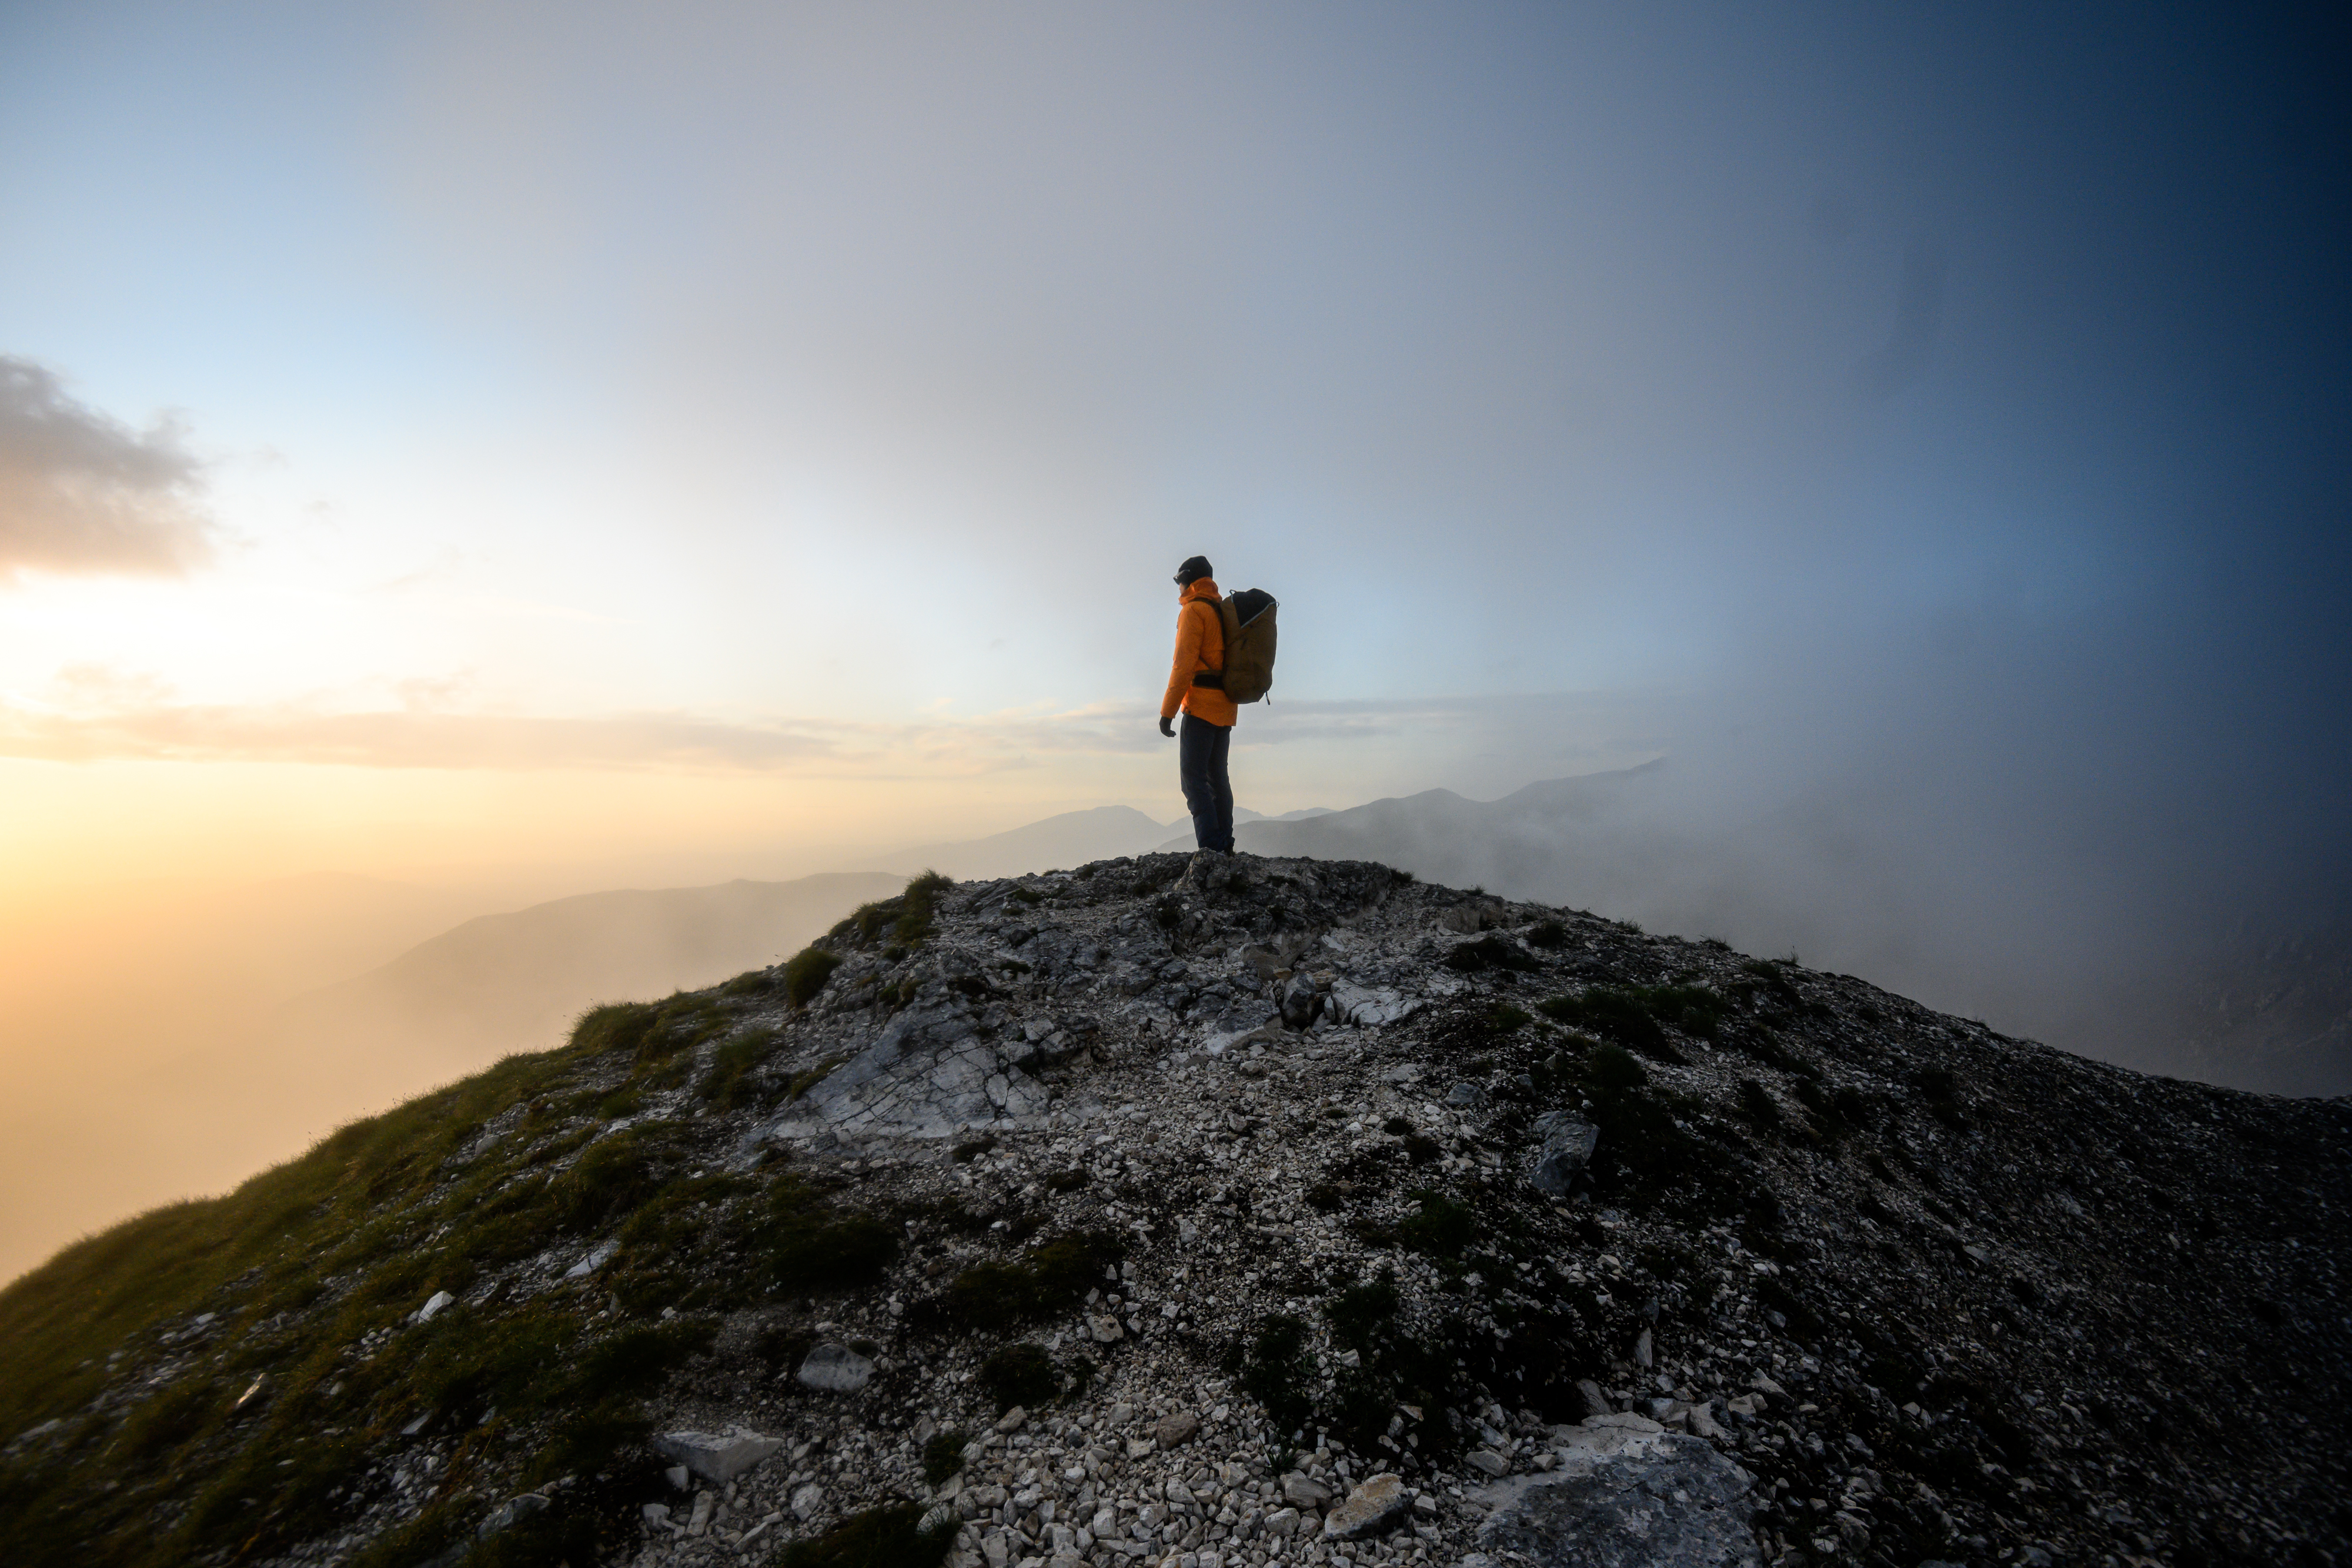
(1230, 1215)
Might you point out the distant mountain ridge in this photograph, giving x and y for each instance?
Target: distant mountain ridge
(1446, 837)
(515, 981)
(1065, 840)
(2274, 1015)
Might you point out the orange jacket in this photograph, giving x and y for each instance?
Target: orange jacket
(1200, 645)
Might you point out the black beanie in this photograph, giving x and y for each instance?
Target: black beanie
(1192, 570)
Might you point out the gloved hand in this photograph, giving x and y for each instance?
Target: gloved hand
(1168, 727)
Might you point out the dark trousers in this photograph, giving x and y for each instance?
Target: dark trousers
(1201, 749)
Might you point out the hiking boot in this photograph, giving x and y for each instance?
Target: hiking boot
(1203, 865)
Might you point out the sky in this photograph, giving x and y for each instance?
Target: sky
(440, 439)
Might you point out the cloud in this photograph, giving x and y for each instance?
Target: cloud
(82, 493)
(409, 740)
(107, 716)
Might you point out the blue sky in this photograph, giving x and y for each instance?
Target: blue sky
(836, 386)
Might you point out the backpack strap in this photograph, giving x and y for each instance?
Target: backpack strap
(1214, 680)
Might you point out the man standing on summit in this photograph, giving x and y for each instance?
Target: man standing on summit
(1209, 713)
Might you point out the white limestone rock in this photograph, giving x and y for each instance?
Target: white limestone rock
(717, 1458)
(1376, 1503)
(1626, 1494)
(835, 1369)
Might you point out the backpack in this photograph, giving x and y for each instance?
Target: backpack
(1248, 674)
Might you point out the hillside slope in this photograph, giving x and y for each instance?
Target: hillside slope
(1294, 1213)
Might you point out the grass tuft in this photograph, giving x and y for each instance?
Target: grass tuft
(891, 1536)
(1020, 1374)
(1639, 1015)
(907, 918)
(944, 1457)
(803, 1247)
(805, 973)
(1044, 1281)
(731, 1083)
(1439, 1226)
(1763, 1112)
(1275, 1371)
(1492, 951)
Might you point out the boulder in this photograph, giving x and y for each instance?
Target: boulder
(1367, 1006)
(1177, 1428)
(593, 1260)
(1300, 1001)
(836, 1369)
(1625, 1495)
(511, 1513)
(1378, 1502)
(717, 1458)
(1568, 1144)
(1607, 1433)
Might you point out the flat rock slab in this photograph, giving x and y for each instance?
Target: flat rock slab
(836, 1369)
(1379, 1501)
(717, 1458)
(1303, 1491)
(1623, 1498)
(1366, 1006)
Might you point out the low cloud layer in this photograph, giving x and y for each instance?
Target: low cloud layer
(82, 493)
(108, 716)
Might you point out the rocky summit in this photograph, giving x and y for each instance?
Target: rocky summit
(1164, 1214)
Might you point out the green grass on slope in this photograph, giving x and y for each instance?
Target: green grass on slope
(272, 1423)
